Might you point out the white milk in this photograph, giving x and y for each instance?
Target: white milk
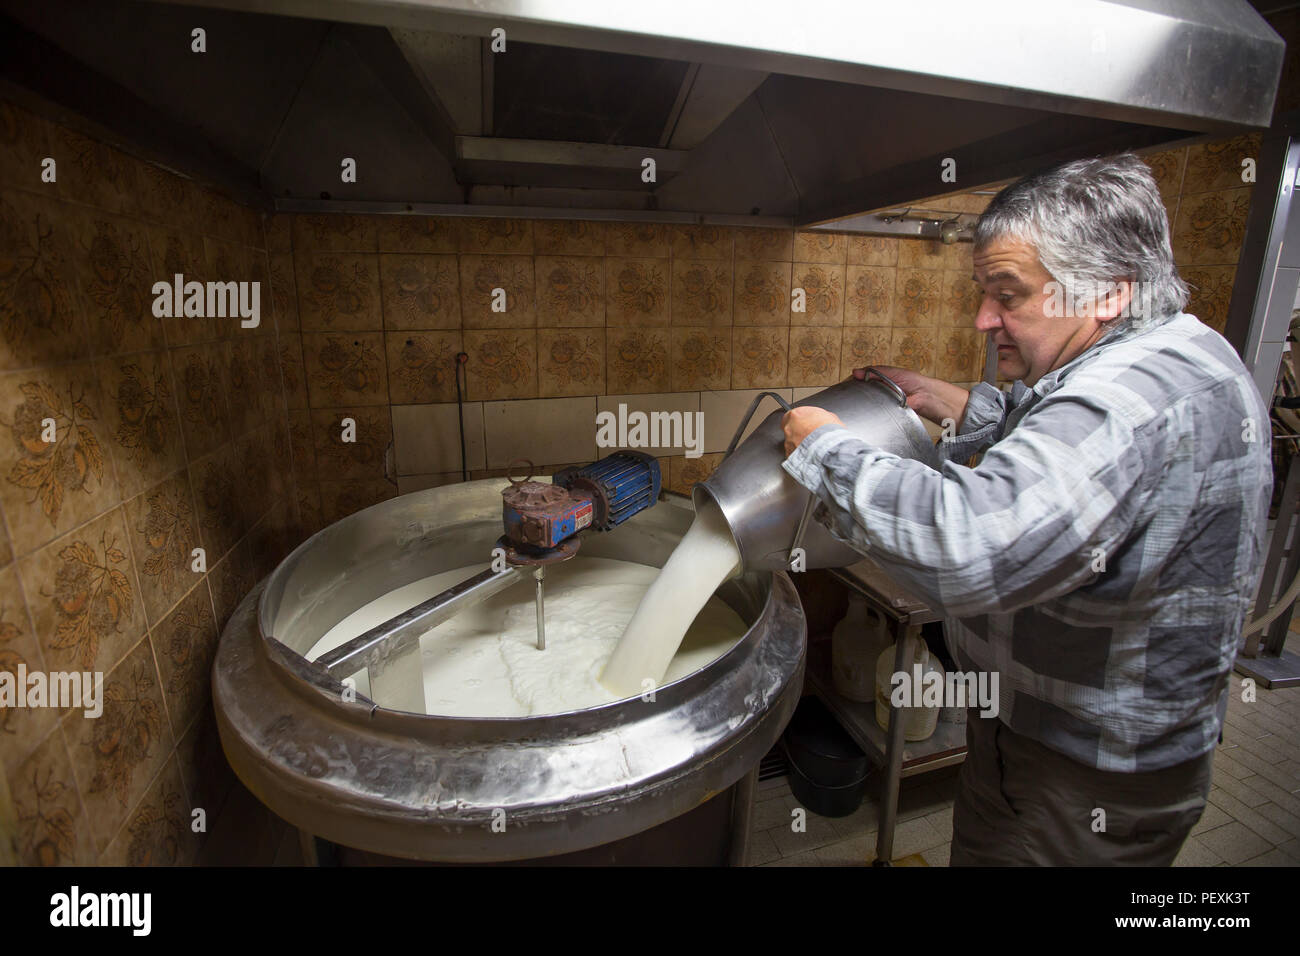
(704, 558)
(484, 662)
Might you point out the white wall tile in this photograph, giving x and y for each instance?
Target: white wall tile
(426, 438)
(546, 431)
(687, 403)
(723, 411)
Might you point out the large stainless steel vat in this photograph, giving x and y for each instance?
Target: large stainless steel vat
(479, 790)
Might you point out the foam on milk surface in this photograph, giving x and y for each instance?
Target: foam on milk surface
(484, 662)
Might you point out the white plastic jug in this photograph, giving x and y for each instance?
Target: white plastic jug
(919, 722)
(856, 644)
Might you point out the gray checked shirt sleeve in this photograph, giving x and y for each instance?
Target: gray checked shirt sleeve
(1018, 530)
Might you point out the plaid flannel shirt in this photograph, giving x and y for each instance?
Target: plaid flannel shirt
(1101, 556)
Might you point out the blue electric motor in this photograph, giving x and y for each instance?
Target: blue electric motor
(618, 485)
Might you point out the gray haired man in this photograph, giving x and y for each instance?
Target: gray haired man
(1102, 555)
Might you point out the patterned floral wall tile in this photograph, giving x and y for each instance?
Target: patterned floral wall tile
(701, 358)
(568, 237)
(913, 348)
(338, 291)
(1211, 293)
(959, 256)
(1167, 167)
(163, 532)
(701, 292)
(684, 473)
(637, 239)
(636, 292)
(570, 362)
(420, 292)
(158, 831)
(814, 356)
(762, 293)
(198, 374)
(921, 254)
(278, 230)
(502, 364)
(221, 218)
(345, 368)
(207, 775)
(166, 198)
(763, 244)
(570, 291)
(302, 440)
(960, 299)
(310, 517)
(823, 287)
(422, 366)
(140, 414)
(186, 642)
(342, 498)
(1218, 164)
(21, 728)
(960, 355)
(500, 236)
(863, 346)
(334, 233)
(93, 173)
(82, 593)
(217, 480)
(50, 487)
(40, 308)
(917, 299)
(870, 295)
(824, 247)
(759, 357)
(229, 581)
(637, 361)
(53, 829)
(370, 431)
(416, 234)
(481, 276)
(116, 755)
(293, 371)
(174, 253)
(873, 251)
(259, 480)
(24, 144)
(701, 242)
(1210, 227)
(284, 294)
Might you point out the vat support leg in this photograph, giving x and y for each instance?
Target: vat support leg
(742, 815)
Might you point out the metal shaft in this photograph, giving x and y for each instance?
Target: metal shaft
(539, 573)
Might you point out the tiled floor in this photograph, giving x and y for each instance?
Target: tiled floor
(1252, 817)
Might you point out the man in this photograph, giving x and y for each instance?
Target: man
(1102, 555)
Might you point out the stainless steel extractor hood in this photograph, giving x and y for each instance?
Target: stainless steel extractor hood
(751, 110)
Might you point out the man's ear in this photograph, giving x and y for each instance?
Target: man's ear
(1113, 300)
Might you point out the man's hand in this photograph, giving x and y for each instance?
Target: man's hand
(802, 421)
(930, 398)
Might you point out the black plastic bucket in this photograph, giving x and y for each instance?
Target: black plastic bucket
(828, 771)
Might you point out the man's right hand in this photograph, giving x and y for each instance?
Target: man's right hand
(931, 398)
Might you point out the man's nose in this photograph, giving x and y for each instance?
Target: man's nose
(989, 317)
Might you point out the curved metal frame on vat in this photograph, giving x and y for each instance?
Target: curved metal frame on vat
(430, 787)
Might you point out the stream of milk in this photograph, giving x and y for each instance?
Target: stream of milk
(484, 661)
(705, 557)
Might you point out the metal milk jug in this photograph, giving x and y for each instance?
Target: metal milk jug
(768, 511)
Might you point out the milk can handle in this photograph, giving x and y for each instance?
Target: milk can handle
(873, 372)
(744, 422)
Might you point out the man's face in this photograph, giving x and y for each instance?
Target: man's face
(1030, 342)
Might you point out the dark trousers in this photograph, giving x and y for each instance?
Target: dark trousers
(1022, 804)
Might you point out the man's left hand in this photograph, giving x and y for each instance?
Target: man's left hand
(802, 421)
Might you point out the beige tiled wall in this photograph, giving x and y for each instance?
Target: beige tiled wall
(170, 435)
